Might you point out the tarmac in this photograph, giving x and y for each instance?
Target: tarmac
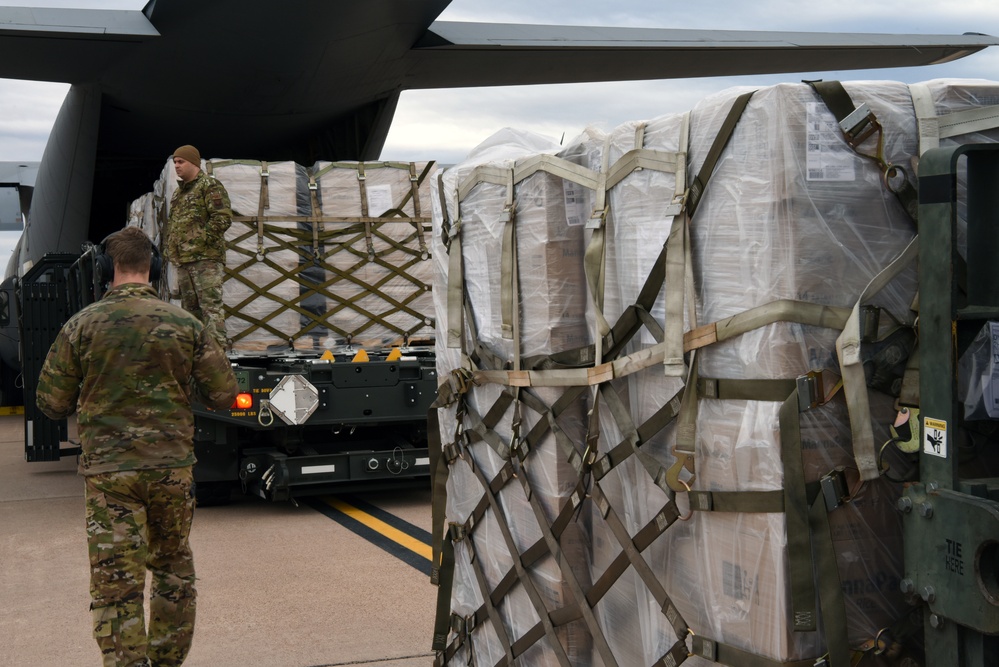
(279, 585)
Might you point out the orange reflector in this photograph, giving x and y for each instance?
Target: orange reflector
(394, 355)
(327, 356)
(243, 401)
(361, 356)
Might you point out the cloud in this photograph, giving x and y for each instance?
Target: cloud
(445, 125)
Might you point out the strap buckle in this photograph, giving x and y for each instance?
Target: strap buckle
(859, 125)
(811, 389)
(834, 489)
(810, 394)
(597, 218)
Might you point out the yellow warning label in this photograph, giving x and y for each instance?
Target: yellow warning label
(935, 437)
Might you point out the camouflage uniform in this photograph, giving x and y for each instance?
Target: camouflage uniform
(130, 365)
(200, 213)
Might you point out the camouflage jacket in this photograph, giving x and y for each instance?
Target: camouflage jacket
(130, 365)
(200, 213)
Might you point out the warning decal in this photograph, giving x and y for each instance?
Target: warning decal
(935, 437)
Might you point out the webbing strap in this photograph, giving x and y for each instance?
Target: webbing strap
(508, 265)
(725, 654)
(677, 259)
(662, 521)
(570, 579)
(757, 502)
(317, 211)
(926, 116)
(776, 390)
(782, 310)
(526, 582)
(442, 566)
(700, 181)
(799, 543)
(296, 241)
(969, 120)
(686, 430)
(549, 424)
(852, 367)
(263, 203)
(636, 437)
(857, 125)
(834, 623)
(933, 128)
(455, 289)
(593, 268)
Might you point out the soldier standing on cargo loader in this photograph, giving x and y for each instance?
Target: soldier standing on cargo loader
(130, 365)
(200, 213)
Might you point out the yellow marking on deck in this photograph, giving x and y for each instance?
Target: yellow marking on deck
(12, 410)
(379, 526)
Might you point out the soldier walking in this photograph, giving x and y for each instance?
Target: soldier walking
(130, 365)
(200, 213)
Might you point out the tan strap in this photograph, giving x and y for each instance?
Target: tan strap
(852, 368)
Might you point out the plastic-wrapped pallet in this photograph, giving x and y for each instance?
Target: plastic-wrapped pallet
(764, 565)
(376, 250)
(790, 213)
(644, 164)
(305, 276)
(521, 273)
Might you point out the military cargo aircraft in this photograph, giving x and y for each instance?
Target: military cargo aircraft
(311, 79)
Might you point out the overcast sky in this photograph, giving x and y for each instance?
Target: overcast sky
(445, 124)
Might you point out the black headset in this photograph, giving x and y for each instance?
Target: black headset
(104, 265)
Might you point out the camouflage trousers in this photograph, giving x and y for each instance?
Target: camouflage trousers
(201, 294)
(139, 520)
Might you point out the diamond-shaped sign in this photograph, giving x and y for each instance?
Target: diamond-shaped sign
(294, 399)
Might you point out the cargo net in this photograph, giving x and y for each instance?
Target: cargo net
(323, 258)
(618, 483)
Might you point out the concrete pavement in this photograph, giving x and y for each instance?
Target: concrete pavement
(279, 585)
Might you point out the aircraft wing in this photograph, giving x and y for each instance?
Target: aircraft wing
(67, 45)
(453, 54)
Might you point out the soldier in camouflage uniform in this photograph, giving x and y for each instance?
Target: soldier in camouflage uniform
(200, 213)
(130, 365)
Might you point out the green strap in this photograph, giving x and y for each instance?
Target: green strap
(709, 649)
(442, 567)
(834, 624)
(700, 181)
(745, 390)
(759, 502)
(799, 543)
(860, 128)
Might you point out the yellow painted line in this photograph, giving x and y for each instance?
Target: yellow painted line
(379, 526)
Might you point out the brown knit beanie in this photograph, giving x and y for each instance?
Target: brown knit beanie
(189, 153)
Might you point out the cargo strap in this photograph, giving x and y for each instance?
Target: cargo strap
(580, 606)
(700, 181)
(263, 204)
(858, 124)
(933, 128)
(725, 654)
(783, 310)
(848, 349)
(395, 312)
